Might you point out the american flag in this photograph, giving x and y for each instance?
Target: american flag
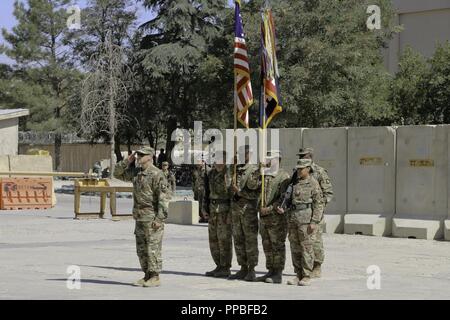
(243, 97)
(270, 101)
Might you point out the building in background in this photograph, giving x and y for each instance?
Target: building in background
(9, 130)
(425, 22)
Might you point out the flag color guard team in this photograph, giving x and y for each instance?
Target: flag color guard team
(240, 201)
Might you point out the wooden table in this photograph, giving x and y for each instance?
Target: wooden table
(104, 187)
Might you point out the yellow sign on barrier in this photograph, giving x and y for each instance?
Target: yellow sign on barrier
(421, 163)
(371, 161)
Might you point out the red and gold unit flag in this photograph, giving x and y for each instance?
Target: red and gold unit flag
(270, 100)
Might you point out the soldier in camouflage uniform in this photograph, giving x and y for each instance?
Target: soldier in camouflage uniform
(198, 186)
(170, 177)
(321, 175)
(219, 219)
(273, 226)
(150, 198)
(244, 210)
(304, 215)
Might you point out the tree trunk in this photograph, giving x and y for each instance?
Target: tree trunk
(150, 138)
(112, 127)
(128, 145)
(58, 142)
(117, 148)
(171, 125)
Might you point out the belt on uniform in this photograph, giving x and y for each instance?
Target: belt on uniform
(219, 201)
(301, 206)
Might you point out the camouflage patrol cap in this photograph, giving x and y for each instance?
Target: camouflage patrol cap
(304, 151)
(303, 163)
(146, 151)
(274, 154)
(165, 163)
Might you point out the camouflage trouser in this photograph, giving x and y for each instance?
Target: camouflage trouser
(273, 230)
(319, 254)
(245, 232)
(301, 247)
(148, 246)
(220, 236)
(198, 195)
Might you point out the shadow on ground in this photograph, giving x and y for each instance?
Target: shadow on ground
(178, 273)
(95, 281)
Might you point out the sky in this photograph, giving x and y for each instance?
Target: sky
(8, 21)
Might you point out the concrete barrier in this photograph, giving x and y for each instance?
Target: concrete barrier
(31, 163)
(421, 192)
(330, 152)
(371, 181)
(4, 164)
(183, 212)
(447, 222)
(290, 143)
(447, 229)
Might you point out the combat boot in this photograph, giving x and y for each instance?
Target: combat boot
(264, 277)
(305, 282)
(140, 282)
(251, 275)
(212, 272)
(240, 274)
(276, 277)
(223, 272)
(317, 271)
(153, 281)
(293, 282)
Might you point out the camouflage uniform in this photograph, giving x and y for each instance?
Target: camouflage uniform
(219, 222)
(198, 185)
(150, 202)
(321, 175)
(245, 215)
(307, 207)
(273, 226)
(171, 180)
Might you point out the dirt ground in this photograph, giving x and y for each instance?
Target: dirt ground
(37, 247)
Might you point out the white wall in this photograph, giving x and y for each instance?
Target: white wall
(425, 22)
(9, 136)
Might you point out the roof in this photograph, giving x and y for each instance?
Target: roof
(13, 113)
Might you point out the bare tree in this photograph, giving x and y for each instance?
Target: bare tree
(105, 92)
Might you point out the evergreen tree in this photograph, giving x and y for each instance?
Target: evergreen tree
(175, 58)
(37, 44)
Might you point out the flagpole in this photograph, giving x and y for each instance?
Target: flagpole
(237, 2)
(234, 135)
(263, 116)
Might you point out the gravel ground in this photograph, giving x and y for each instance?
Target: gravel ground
(37, 247)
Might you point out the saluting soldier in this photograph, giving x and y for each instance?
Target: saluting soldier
(150, 200)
